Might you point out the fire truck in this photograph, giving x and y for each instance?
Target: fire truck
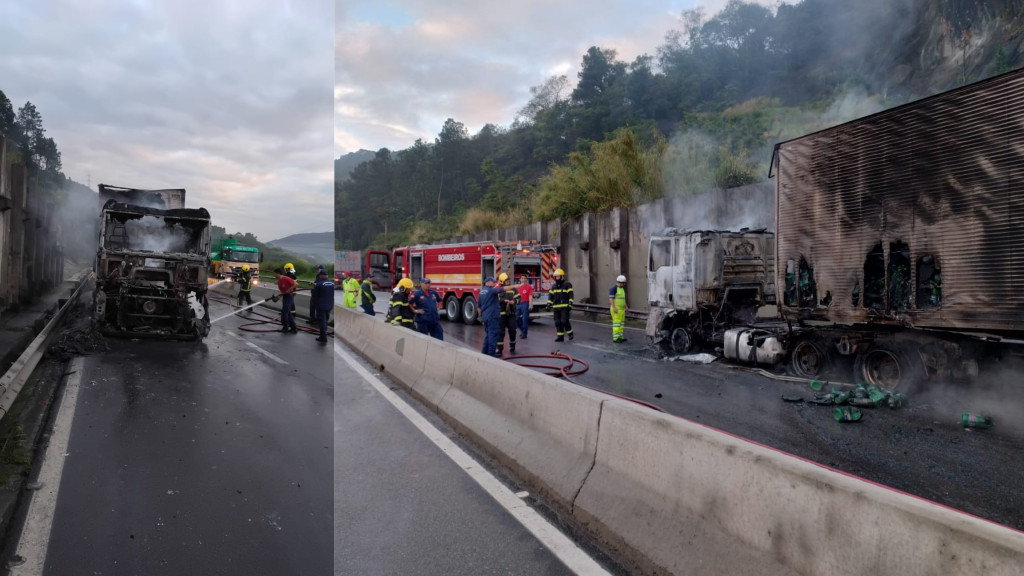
(457, 271)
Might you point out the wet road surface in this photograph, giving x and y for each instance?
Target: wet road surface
(404, 508)
(199, 458)
(920, 449)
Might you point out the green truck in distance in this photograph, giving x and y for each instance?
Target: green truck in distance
(227, 257)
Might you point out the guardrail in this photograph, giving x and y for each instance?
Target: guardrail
(14, 379)
(595, 309)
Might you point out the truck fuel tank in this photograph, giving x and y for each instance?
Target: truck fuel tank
(753, 345)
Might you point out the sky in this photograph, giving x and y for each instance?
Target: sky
(405, 66)
(229, 99)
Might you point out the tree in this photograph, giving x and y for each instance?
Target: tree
(544, 97)
(7, 119)
(30, 124)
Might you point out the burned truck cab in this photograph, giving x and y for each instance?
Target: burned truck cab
(151, 272)
(703, 282)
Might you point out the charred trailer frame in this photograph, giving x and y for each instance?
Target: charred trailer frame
(703, 282)
(151, 272)
(898, 235)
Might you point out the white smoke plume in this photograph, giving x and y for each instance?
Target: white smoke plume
(152, 233)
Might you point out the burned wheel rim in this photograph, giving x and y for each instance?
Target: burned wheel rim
(680, 341)
(890, 365)
(882, 367)
(809, 359)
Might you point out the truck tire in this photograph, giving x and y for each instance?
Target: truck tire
(469, 310)
(680, 341)
(452, 308)
(889, 365)
(809, 358)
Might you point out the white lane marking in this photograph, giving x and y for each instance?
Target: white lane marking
(560, 545)
(35, 537)
(568, 349)
(258, 349)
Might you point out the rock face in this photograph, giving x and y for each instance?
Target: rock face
(954, 42)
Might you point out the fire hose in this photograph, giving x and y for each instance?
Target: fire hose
(266, 319)
(567, 370)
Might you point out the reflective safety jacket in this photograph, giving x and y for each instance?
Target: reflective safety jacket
(366, 295)
(244, 281)
(561, 294)
(399, 313)
(509, 298)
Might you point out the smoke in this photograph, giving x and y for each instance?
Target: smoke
(152, 233)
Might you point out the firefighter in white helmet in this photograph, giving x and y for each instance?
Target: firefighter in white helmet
(618, 308)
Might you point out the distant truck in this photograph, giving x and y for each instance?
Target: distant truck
(896, 243)
(227, 257)
(151, 265)
(457, 271)
(346, 262)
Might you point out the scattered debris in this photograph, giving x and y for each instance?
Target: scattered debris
(847, 414)
(702, 358)
(968, 420)
(78, 341)
(792, 398)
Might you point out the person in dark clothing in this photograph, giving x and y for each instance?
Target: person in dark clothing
(424, 304)
(509, 299)
(244, 286)
(313, 306)
(490, 313)
(399, 312)
(323, 292)
(561, 303)
(366, 295)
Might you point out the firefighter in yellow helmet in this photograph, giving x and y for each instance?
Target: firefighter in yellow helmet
(399, 312)
(244, 280)
(508, 300)
(289, 271)
(561, 303)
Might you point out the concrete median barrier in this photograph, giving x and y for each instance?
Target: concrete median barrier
(693, 500)
(673, 496)
(542, 429)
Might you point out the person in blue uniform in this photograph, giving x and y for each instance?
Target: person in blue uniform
(490, 315)
(424, 304)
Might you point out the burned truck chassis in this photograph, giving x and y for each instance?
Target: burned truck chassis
(143, 291)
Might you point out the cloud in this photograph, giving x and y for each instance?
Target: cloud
(230, 100)
(405, 66)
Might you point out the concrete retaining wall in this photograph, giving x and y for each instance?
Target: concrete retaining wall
(595, 248)
(673, 496)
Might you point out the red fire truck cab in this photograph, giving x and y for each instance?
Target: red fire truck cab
(457, 271)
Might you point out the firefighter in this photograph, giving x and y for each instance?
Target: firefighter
(286, 286)
(618, 308)
(351, 286)
(424, 304)
(509, 300)
(490, 315)
(289, 271)
(366, 295)
(323, 292)
(561, 303)
(244, 286)
(399, 312)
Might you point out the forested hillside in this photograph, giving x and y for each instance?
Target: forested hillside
(702, 112)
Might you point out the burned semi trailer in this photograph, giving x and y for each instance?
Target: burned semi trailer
(898, 236)
(151, 271)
